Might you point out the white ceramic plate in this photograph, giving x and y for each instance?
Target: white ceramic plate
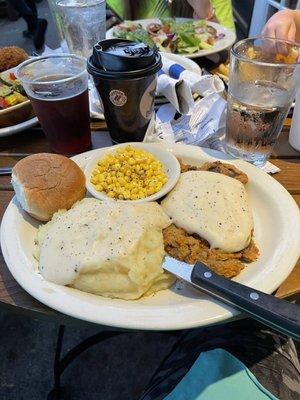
(220, 45)
(276, 215)
(170, 163)
(188, 64)
(11, 130)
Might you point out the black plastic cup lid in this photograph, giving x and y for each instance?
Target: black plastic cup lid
(121, 59)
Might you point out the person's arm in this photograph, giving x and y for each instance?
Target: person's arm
(203, 9)
(284, 24)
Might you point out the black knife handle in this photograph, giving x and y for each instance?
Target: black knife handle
(278, 314)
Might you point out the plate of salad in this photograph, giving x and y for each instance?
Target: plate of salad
(190, 38)
(16, 111)
(11, 90)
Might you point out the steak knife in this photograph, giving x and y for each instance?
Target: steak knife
(278, 314)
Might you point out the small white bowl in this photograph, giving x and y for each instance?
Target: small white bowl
(169, 161)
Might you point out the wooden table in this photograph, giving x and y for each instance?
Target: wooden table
(32, 141)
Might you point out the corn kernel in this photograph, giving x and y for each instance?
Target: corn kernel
(129, 173)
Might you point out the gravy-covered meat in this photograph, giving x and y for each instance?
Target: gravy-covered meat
(225, 169)
(219, 167)
(191, 248)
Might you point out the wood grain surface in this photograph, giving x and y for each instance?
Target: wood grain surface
(33, 141)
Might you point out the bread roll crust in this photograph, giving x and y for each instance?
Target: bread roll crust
(49, 182)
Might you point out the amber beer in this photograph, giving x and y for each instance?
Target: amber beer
(57, 88)
(64, 120)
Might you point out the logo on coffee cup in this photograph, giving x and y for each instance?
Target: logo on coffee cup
(117, 97)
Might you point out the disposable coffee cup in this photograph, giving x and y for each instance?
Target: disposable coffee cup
(125, 76)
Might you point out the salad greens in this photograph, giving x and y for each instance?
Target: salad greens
(170, 35)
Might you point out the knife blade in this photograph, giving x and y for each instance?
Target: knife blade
(5, 170)
(269, 310)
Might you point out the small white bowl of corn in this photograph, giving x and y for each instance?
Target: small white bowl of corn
(135, 172)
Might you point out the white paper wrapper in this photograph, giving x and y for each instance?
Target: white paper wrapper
(178, 92)
(206, 121)
(270, 168)
(95, 102)
(205, 85)
(200, 84)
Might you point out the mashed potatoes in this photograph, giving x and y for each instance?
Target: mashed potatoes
(106, 248)
(214, 206)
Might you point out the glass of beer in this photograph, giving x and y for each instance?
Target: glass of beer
(57, 86)
(264, 75)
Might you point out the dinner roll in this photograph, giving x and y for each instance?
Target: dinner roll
(45, 183)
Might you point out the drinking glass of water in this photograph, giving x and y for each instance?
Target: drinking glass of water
(83, 23)
(264, 75)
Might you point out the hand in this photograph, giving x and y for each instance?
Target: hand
(281, 26)
(202, 8)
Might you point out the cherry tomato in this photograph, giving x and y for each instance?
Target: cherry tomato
(2, 103)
